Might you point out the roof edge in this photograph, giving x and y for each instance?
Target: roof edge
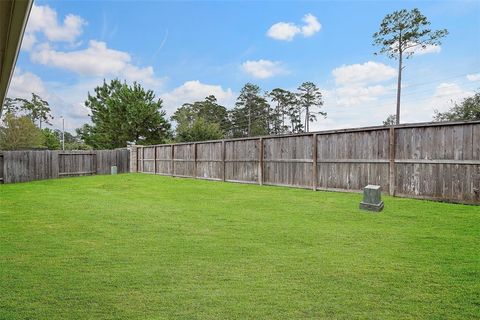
(18, 17)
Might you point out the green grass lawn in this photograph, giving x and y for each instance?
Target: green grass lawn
(139, 246)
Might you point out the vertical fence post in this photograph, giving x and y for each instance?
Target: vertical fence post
(195, 160)
(154, 159)
(2, 168)
(314, 164)
(391, 162)
(260, 161)
(172, 155)
(223, 160)
(95, 161)
(143, 158)
(137, 159)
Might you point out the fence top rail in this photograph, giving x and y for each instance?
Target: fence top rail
(324, 132)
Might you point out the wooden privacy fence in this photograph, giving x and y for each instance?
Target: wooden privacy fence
(21, 166)
(437, 161)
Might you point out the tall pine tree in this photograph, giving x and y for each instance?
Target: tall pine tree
(250, 117)
(310, 101)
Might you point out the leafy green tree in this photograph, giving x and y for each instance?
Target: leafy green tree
(390, 121)
(37, 108)
(310, 100)
(78, 145)
(201, 120)
(19, 132)
(10, 105)
(250, 117)
(122, 113)
(201, 130)
(69, 138)
(468, 109)
(401, 34)
(213, 112)
(51, 139)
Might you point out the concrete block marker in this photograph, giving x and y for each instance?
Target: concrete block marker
(372, 199)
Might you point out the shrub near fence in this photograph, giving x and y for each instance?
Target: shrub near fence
(21, 166)
(438, 161)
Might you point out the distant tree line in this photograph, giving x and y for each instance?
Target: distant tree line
(255, 113)
(21, 127)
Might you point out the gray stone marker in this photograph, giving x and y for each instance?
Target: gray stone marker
(372, 199)
(113, 170)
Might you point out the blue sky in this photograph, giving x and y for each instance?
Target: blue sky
(188, 49)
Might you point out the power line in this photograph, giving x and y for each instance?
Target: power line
(379, 103)
(439, 79)
(389, 96)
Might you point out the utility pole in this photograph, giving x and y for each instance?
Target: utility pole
(307, 120)
(63, 133)
(399, 80)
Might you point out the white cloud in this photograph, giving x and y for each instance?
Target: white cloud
(419, 108)
(43, 19)
(286, 31)
(358, 84)
(28, 41)
(194, 90)
(351, 107)
(283, 31)
(64, 100)
(447, 93)
(473, 77)
(94, 61)
(374, 103)
(311, 26)
(23, 84)
(429, 48)
(419, 49)
(368, 72)
(97, 60)
(263, 69)
(357, 95)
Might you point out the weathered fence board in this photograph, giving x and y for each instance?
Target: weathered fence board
(288, 161)
(438, 161)
(351, 160)
(164, 163)
(76, 163)
(1, 168)
(183, 160)
(241, 161)
(22, 166)
(209, 161)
